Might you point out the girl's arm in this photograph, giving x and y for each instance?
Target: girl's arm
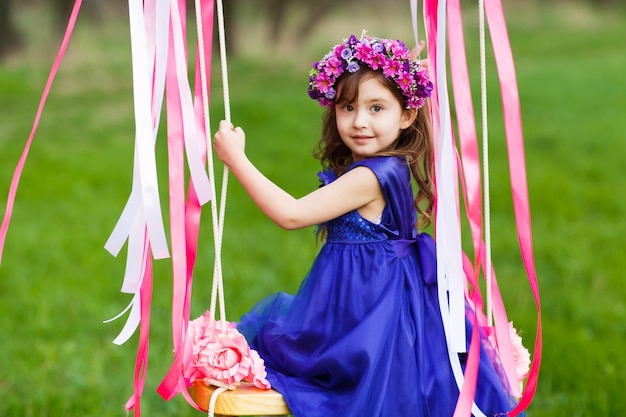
(355, 189)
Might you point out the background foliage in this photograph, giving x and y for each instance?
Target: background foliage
(57, 284)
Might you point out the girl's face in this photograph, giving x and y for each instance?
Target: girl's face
(373, 121)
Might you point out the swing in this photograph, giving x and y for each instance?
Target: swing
(250, 401)
(246, 400)
(148, 238)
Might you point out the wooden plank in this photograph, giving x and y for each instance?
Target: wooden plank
(246, 400)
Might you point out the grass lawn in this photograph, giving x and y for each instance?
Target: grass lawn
(57, 283)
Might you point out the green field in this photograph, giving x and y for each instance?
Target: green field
(58, 284)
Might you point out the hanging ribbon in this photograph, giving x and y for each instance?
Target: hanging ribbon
(147, 21)
(470, 178)
(141, 362)
(158, 37)
(184, 244)
(4, 228)
(451, 278)
(517, 165)
(149, 24)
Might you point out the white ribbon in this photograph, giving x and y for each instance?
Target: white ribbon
(149, 31)
(450, 275)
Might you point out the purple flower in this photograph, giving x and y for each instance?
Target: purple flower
(346, 54)
(353, 67)
(326, 102)
(330, 94)
(378, 47)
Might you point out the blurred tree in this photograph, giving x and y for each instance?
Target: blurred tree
(312, 11)
(62, 10)
(10, 38)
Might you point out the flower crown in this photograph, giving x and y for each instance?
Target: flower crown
(390, 56)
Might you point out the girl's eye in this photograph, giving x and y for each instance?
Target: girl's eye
(376, 108)
(348, 107)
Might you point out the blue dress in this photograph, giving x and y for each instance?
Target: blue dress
(363, 335)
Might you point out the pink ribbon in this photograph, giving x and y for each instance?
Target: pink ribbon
(185, 220)
(141, 362)
(22, 161)
(471, 183)
(515, 143)
(471, 178)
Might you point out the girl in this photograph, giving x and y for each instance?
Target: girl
(363, 335)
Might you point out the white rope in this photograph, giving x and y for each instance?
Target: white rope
(485, 147)
(218, 249)
(213, 400)
(217, 218)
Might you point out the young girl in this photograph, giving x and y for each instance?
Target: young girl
(363, 336)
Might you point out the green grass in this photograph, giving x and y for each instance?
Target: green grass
(57, 283)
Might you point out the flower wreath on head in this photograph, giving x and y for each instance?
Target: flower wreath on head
(392, 57)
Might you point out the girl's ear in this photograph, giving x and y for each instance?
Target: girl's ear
(408, 117)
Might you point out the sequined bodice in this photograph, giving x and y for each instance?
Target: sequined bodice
(351, 227)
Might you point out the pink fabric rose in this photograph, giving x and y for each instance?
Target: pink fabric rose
(217, 353)
(521, 355)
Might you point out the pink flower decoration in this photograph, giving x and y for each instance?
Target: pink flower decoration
(375, 62)
(363, 51)
(405, 81)
(334, 67)
(521, 355)
(323, 82)
(216, 352)
(399, 51)
(258, 371)
(391, 68)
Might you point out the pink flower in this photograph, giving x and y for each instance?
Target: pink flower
(399, 51)
(363, 51)
(521, 355)
(323, 82)
(258, 374)
(404, 80)
(216, 352)
(391, 68)
(376, 61)
(333, 68)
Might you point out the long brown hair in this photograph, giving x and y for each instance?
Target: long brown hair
(414, 143)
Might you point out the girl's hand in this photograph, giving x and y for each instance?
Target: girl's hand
(415, 54)
(229, 143)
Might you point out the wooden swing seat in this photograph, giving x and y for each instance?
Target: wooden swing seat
(246, 400)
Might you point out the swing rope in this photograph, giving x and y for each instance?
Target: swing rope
(485, 148)
(217, 289)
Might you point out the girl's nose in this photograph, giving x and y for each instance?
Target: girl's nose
(360, 119)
